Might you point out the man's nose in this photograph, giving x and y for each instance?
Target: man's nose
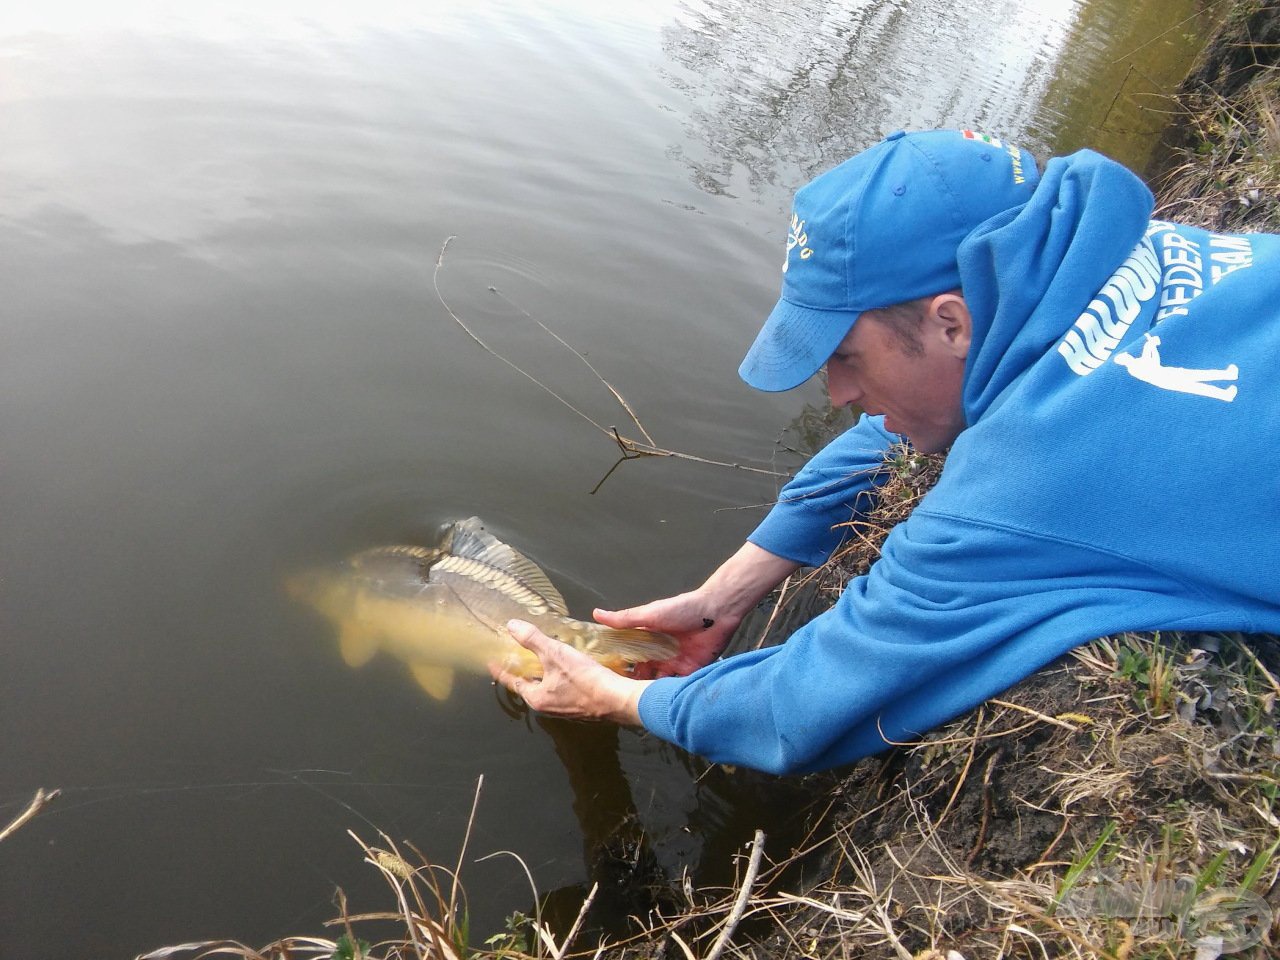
(842, 387)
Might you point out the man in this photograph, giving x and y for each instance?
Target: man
(1105, 383)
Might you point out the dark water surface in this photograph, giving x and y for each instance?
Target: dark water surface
(222, 357)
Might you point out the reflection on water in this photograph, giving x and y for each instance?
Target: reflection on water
(784, 92)
(1125, 60)
(222, 359)
(789, 90)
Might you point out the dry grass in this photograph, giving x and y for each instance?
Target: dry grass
(1230, 178)
(1071, 786)
(1224, 172)
(41, 800)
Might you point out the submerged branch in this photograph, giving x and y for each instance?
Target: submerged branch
(435, 282)
(631, 449)
(622, 401)
(38, 803)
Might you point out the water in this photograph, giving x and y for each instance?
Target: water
(223, 357)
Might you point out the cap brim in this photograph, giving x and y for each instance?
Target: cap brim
(793, 345)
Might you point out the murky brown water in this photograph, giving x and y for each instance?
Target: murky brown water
(222, 357)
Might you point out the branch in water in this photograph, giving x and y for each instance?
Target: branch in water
(631, 449)
(38, 803)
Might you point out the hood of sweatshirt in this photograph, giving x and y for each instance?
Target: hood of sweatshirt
(1029, 272)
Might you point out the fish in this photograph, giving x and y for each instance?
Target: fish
(445, 608)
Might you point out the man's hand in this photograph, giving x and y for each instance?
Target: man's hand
(572, 684)
(702, 632)
(703, 620)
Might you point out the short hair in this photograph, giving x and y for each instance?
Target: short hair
(904, 321)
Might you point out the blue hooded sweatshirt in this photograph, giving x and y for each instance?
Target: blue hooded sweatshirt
(1118, 472)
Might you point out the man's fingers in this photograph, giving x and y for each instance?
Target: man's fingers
(500, 673)
(533, 639)
(526, 688)
(614, 618)
(677, 615)
(547, 649)
(525, 633)
(529, 637)
(646, 615)
(572, 683)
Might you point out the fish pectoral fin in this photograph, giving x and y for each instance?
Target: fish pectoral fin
(437, 681)
(617, 648)
(357, 643)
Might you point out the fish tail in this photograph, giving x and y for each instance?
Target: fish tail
(629, 645)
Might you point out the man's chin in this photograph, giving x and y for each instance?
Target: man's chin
(921, 444)
(932, 444)
(893, 428)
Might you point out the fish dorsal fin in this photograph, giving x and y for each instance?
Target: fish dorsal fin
(437, 681)
(474, 552)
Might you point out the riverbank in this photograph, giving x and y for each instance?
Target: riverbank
(1220, 163)
(1121, 804)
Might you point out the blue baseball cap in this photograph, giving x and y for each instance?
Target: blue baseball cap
(880, 229)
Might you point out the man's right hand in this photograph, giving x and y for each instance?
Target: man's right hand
(703, 632)
(703, 620)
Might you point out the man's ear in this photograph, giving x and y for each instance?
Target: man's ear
(948, 320)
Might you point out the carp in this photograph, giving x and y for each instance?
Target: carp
(445, 608)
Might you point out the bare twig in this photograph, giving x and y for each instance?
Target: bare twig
(773, 614)
(684, 947)
(1119, 90)
(986, 809)
(739, 905)
(1253, 657)
(560, 951)
(38, 803)
(462, 851)
(1159, 36)
(1037, 714)
(622, 401)
(435, 282)
(630, 448)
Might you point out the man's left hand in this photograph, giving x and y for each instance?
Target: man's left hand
(572, 684)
